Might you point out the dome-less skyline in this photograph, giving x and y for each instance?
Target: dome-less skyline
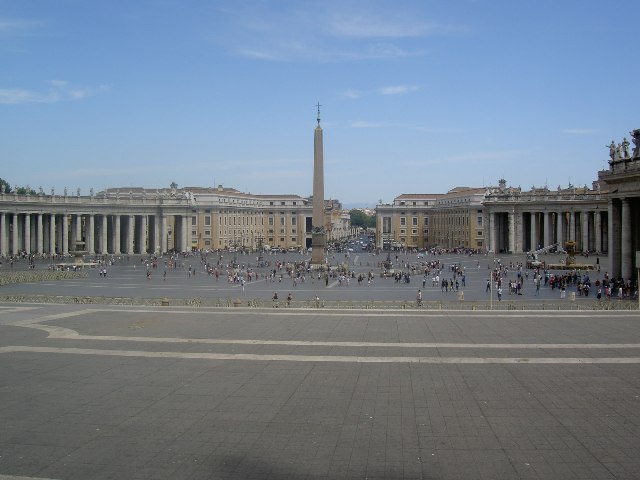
(416, 97)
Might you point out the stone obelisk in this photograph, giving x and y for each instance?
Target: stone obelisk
(318, 240)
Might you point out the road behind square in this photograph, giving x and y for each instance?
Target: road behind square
(152, 393)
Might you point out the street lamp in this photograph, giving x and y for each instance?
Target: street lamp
(235, 250)
(389, 249)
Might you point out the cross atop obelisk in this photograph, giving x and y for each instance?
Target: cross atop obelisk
(318, 240)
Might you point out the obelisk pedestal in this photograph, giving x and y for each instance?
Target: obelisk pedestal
(318, 239)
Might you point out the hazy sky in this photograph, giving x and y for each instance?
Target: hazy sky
(417, 96)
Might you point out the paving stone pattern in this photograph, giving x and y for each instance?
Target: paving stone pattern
(149, 411)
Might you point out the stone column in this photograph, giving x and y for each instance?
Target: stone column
(104, 239)
(27, 233)
(156, 247)
(116, 235)
(131, 230)
(490, 232)
(52, 234)
(584, 227)
(534, 231)
(65, 234)
(598, 230)
(77, 234)
(614, 247)
(546, 229)
(163, 234)
(511, 228)
(184, 224)
(14, 234)
(625, 247)
(519, 246)
(90, 234)
(4, 238)
(39, 234)
(144, 237)
(495, 228)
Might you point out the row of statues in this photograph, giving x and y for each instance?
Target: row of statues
(621, 150)
(5, 189)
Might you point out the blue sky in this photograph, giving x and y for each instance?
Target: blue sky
(417, 96)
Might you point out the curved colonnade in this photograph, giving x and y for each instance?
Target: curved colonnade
(40, 224)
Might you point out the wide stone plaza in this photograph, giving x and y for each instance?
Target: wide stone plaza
(99, 391)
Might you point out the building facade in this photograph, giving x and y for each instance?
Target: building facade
(421, 221)
(144, 221)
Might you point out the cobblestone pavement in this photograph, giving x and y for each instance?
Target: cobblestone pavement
(96, 392)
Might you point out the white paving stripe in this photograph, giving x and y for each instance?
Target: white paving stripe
(12, 477)
(67, 333)
(306, 313)
(58, 332)
(320, 358)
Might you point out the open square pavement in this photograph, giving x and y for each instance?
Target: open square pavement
(99, 391)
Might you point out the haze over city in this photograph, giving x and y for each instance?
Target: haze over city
(417, 97)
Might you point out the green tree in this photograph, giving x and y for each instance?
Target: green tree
(361, 219)
(24, 191)
(4, 186)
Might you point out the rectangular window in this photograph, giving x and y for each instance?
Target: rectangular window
(293, 220)
(271, 221)
(479, 220)
(194, 221)
(386, 224)
(207, 233)
(403, 221)
(414, 221)
(282, 221)
(207, 220)
(426, 221)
